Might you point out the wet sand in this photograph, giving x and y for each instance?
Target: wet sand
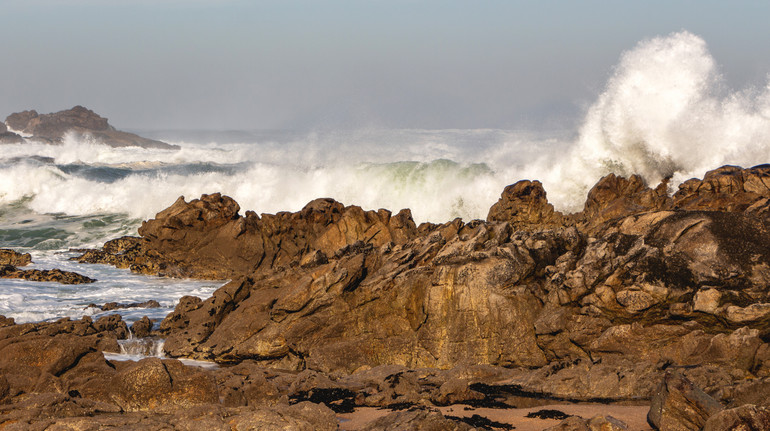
(634, 416)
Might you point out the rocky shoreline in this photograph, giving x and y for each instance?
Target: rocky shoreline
(643, 297)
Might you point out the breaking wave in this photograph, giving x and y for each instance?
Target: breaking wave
(665, 112)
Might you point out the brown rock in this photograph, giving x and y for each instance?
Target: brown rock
(20, 120)
(614, 197)
(337, 289)
(142, 327)
(10, 138)
(525, 204)
(729, 188)
(55, 275)
(115, 306)
(162, 385)
(679, 405)
(5, 387)
(747, 417)
(57, 356)
(304, 416)
(13, 258)
(326, 315)
(247, 384)
(422, 420)
(597, 423)
(206, 238)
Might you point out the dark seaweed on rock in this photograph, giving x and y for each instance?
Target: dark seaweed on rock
(548, 414)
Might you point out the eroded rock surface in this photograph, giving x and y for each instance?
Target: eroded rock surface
(363, 308)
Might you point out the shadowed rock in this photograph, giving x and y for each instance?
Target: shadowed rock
(678, 405)
(747, 417)
(416, 420)
(597, 423)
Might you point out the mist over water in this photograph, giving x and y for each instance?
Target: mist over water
(664, 112)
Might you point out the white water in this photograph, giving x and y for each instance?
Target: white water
(35, 301)
(665, 112)
(135, 349)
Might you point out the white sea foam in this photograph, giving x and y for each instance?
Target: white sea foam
(35, 301)
(367, 169)
(666, 111)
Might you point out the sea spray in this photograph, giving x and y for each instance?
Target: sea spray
(260, 177)
(145, 347)
(665, 112)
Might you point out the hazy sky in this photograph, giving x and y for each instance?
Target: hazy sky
(229, 64)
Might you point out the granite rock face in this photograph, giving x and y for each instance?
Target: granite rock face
(345, 307)
(678, 405)
(81, 121)
(747, 417)
(665, 280)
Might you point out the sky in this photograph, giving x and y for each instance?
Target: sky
(284, 64)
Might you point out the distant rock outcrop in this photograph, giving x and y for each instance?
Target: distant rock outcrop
(81, 121)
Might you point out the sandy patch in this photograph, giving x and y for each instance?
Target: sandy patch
(634, 416)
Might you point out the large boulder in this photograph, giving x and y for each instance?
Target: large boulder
(524, 204)
(52, 357)
(614, 197)
(19, 121)
(678, 405)
(162, 385)
(729, 188)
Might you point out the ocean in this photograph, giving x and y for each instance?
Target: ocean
(665, 112)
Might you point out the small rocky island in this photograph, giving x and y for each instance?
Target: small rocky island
(642, 299)
(82, 122)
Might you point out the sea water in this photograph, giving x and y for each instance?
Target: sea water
(665, 112)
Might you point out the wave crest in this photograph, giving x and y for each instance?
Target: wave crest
(665, 113)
